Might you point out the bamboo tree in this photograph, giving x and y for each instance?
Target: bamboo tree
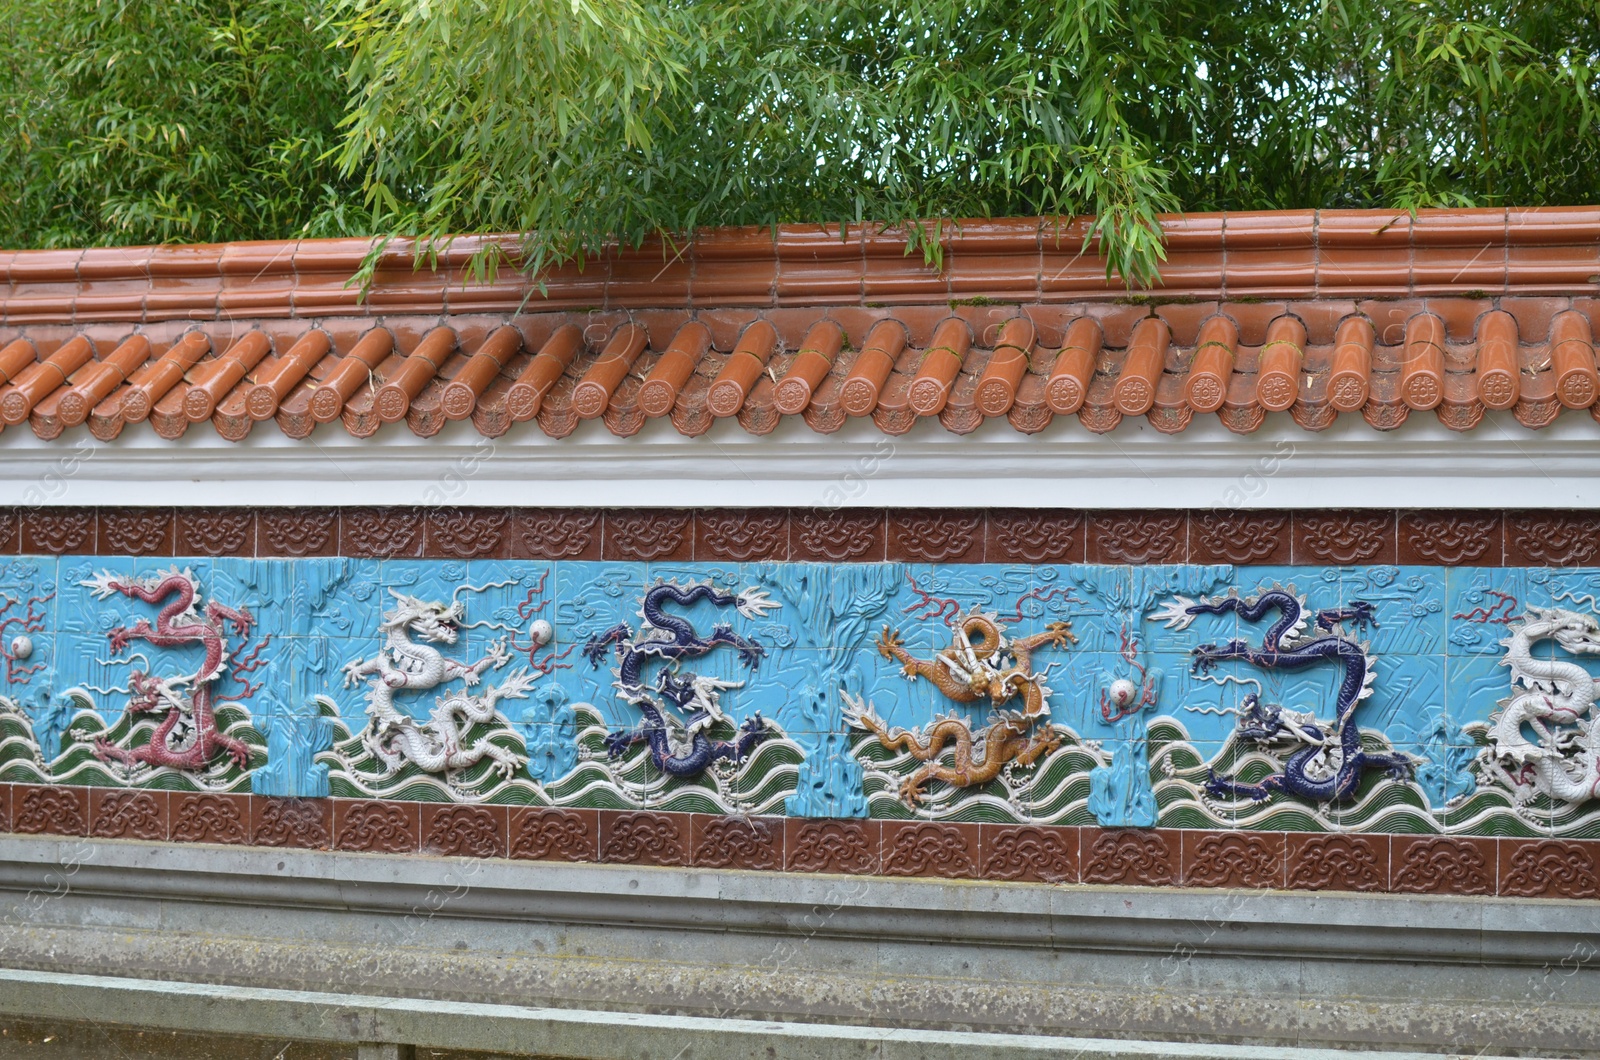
(582, 123)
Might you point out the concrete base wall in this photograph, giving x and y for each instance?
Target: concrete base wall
(1273, 969)
(57, 1040)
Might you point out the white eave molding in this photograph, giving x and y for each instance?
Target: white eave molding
(1500, 464)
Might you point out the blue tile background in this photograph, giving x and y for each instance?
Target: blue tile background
(1437, 642)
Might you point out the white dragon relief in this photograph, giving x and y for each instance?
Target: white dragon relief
(1555, 700)
(440, 744)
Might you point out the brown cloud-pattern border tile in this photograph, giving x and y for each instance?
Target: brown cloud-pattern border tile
(999, 853)
(1482, 538)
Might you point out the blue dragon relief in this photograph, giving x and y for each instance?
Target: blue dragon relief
(680, 747)
(1329, 764)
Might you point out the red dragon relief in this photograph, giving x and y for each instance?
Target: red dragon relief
(187, 738)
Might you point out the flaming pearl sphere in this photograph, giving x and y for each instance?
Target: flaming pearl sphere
(21, 647)
(1123, 691)
(541, 632)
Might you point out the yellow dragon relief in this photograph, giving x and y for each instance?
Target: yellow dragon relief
(980, 662)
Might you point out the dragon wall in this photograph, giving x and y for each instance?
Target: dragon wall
(1374, 700)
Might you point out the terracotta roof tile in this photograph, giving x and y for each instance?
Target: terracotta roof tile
(341, 384)
(594, 392)
(1422, 365)
(100, 379)
(742, 369)
(997, 388)
(266, 395)
(660, 389)
(940, 364)
(1461, 313)
(1572, 360)
(810, 365)
(1279, 366)
(403, 383)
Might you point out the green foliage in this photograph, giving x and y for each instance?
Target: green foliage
(579, 123)
(150, 121)
(582, 122)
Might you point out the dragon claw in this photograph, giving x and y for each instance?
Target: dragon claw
(617, 743)
(1061, 634)
(352, 673)
(1400, 769)
(1178, 613)
(506, 762)
(755, 603)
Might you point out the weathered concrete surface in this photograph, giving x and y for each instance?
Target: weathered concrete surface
(1280, 969)
(60, 1040)
(377, 1022)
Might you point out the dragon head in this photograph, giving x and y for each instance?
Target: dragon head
(428, 619)
(1579, 633)
(1575, 631)
(1000, 686)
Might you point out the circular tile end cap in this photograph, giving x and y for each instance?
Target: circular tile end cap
(326, 405)
(261, 402)
(995, 397)
(792, 396)
(1205, 393)
(1276, 391)
(1064, 394)
(1134, 396)
(457, 401)
(73, 408)
(589, 400)
(725, 398)
(656, 397)
(391, 404)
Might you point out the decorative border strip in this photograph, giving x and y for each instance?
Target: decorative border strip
(1396, 864)
(1329, 538)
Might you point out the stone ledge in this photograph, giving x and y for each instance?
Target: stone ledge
(1076, 917)
(316, 1016)
(1108, 962)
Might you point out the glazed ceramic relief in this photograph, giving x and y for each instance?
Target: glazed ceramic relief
(1370, 698)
